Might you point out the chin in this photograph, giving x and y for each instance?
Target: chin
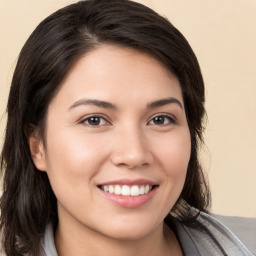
(132, 230)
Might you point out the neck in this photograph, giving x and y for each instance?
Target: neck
(76, 242)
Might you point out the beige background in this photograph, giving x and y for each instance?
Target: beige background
(223, 35)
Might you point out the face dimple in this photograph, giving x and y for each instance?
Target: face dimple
(117, 142)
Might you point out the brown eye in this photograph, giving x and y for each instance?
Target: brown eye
(161, 120)
(94, 121)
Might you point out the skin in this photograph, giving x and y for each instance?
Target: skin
(127, 143)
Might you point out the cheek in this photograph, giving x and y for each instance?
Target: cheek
(175, 161)
(175, 152)
(73, 149)
(74, 160)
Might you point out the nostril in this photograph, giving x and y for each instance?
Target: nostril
(132, 161)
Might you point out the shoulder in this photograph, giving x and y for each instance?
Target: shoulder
(213, 238)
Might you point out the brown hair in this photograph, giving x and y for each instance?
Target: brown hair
(28, 202)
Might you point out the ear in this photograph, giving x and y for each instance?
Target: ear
(37, 150)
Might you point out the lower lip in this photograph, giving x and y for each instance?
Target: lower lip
(130, 201)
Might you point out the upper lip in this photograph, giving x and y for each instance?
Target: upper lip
(130, 182)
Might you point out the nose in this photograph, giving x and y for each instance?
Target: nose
(131, 148)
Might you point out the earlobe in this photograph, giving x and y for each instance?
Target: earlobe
(37, 150)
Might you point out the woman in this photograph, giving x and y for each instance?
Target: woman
(104, 123)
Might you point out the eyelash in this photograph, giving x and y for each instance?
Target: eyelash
(100, 120)
(170, 120)
(99, 123)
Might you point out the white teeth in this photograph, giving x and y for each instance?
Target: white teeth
(142, 190)
(135, 191)
(126, 190)
(118, 190)
(146, 189)
(111, 189)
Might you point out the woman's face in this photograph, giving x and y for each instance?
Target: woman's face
(117, 144)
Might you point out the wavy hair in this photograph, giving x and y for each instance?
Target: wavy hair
(28, 202)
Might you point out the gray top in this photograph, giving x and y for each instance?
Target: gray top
(206, 237)
(243, 227)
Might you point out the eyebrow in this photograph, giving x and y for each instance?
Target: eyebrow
(108, 105)
(98, 103)
(163, 102)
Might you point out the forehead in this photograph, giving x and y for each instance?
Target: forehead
(118, 72)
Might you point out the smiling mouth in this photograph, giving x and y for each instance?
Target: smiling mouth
(127, 190)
